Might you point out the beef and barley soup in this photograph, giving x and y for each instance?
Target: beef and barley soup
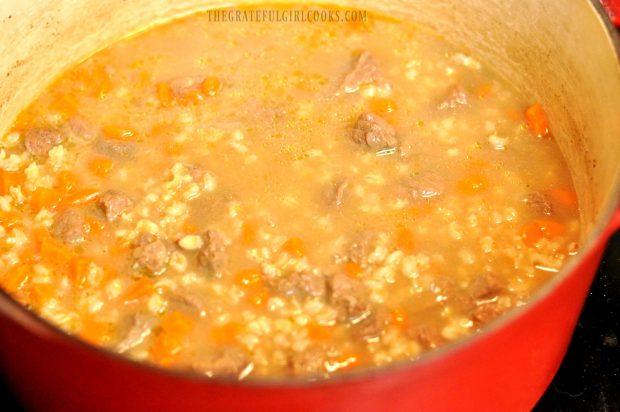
(280, 199)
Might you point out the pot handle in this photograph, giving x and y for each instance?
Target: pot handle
(613, 11)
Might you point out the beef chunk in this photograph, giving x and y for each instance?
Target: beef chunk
(140, 329)
(188, 301)
(79, 132)
(39, 141)
(486, 312)
(372, 131)
(361, 248)
(349, 297)
(228, 362)
(301, 284)
(310, 362)
(336, 193)
(486, 287)
(213, 254)
(423, 186)
(115, 149)
(70, 225)
(539, 203)
(114, 203)
(372, 326)
(456, 98)
(151, 253)
(429, 337)
(364, 72)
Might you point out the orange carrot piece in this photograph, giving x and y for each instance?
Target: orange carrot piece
(16, 277)
(539, 228)
(249, 277)
(226, 334)
(399, 317)
(564, 197)
(96, 226)
(55, 253)
(294, 247)
(382, 106)
(78, 270)
(484, 90)
(248, 233)
(210, 86)
(100, 167)
(174, 328)
(537, 120)
(10, 179)
(41, 293)
(403, 240)
(65, 104)
(472, 185)
(119, 133)
(67, 181)
(165, 94)
(319, 332)
(9, 219)
(140, 288)
(352, 269)
(43, 198)
(96, 332)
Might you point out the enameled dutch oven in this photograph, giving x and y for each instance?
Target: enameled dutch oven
(562, 53)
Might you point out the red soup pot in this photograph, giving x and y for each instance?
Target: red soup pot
(560, 53)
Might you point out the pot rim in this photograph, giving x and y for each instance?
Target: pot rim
(20, 313)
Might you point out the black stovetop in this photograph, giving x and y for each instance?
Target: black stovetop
(589, 378)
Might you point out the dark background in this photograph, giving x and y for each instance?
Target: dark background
(589, 378)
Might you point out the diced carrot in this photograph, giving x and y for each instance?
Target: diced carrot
(96, 226)
(165, 94)
(100, 167)
(531, 234)
(258, 295)
(226, 334)
(539, 228)
(551, 228)
(81, 197)
(360, 24)
(537, 120)
(55, 253)
(16, 277)
(41, 293)
(78, 270)
(9, 219)
(566, 198)
(44, 198)
(119, 133)
(119, 248)
(382, 106)
(250, 277)
(174, 148)
(8, 180)
(248, 233)
(210, 86)
(188, 227)
(294, 247)
(319, 332)
(96, 332)
(65, 104)
(403, 240)
(67, 181)
(174, 329)
(352, 269)
(472, 184)
(484, 90)
(399, 317)
(140, 288)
